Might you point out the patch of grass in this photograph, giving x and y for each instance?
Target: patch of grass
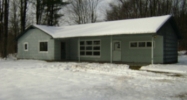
(168, 74)
(135, 67)
(182, 96)
(164, 80)
(176, 75)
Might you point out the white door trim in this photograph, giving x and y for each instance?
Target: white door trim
(116, 51)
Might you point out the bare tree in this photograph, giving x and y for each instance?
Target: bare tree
(23, 13)
(84, 11)
(14, 18)
(146, 8)
(14, 26)
(39, 11)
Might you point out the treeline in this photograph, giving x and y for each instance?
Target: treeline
(126, 9)
(14, 18)
(17, 15)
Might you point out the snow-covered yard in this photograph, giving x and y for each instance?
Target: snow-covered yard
(40, 80)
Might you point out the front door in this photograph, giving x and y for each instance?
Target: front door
(117, 51)
(63, 50)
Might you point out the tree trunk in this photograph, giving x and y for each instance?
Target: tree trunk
(23, 11)
(1, 25)
(6, 15)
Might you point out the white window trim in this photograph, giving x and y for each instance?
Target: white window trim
(92, 56)
(154, 44)
(27, 46)
(47, 46)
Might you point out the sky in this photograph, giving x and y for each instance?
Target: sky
(101, 11)
(66, 21)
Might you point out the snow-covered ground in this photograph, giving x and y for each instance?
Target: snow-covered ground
(179, 68)
(40, 80)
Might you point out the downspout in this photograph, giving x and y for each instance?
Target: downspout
(152, 51)
(111, 51)
(79, 50)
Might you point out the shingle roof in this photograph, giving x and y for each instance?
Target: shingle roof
(129, 26)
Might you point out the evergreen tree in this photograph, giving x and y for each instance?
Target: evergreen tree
(51, 11)
(39, 11)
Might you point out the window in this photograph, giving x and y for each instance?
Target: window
(25, 46)
(90, 48)
(141, 44)
(149, 44)
(117, 45)
(133, 44)
(43, 46)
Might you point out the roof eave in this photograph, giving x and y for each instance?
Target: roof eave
(162, 24)
(143, 33)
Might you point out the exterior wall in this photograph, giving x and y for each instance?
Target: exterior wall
(170, 44)
(57, 53)
(140, 55)
(73, 49)
(33, 37)
(105, 49)
(69, 51)
(129, 55)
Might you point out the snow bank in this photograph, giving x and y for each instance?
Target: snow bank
(10, 57)
(94, 68)
(179, 68)
(166, 69)
(182, 52)
(98, 68)
(182, 60)
(40, 80)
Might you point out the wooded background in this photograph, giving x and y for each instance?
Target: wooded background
(16, 15)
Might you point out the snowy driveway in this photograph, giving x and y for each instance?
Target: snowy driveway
(39, 80)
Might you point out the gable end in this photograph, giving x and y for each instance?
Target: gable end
(29, 28)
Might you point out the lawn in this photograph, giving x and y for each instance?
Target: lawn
(40, 80)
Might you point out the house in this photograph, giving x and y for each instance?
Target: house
(141, 41)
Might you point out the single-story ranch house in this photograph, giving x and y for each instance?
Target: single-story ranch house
(142, 40)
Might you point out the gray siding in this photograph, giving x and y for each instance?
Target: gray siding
(57, 46)
(170, 44)
(33, 37)
(140, 55)
(129, 55)
(57, 52)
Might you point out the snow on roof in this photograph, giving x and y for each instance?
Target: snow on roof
(129, 26)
